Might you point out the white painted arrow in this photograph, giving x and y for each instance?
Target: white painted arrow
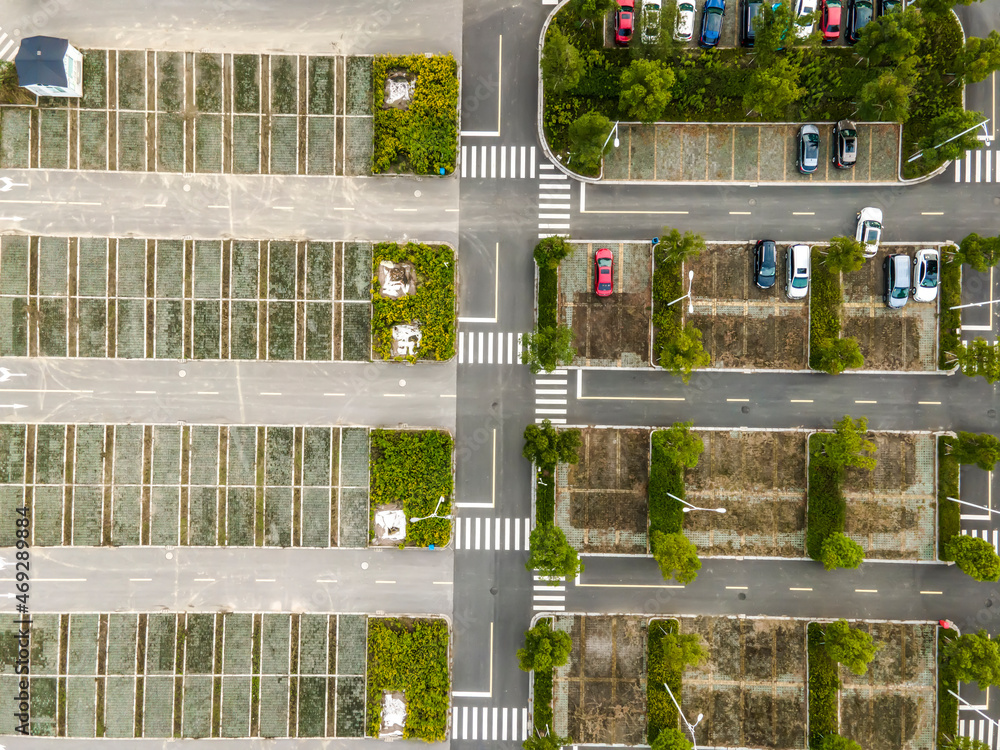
(6, 374)
(9, 183)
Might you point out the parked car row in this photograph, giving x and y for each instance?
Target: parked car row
(797, 268)
(903, 278)
(844, 148)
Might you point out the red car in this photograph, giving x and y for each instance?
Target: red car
(624, 20)
(830, 20)
(604, 272)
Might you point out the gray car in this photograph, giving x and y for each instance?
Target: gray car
(896, 280)
(808, 158)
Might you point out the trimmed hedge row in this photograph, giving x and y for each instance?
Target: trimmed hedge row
(545, 495)
(947, 719)
(660, 710)
(667, 286)
(665, 475)
(825, 301)
(823, 684)
(949, 513)
(826, 508)
(547, 296)
(542, 714)
(950, 320)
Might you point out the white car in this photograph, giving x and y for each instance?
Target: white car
(650, 21)
(684, 28)
(804, 9)
(797, 265)
(925, 276)
(869, 230)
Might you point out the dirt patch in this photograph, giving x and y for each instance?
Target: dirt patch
(759, 478)
(604, 327)
(600, 694)
(601, 500)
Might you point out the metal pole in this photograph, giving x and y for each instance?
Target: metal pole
(991, 721)
(613, 132)
(921, 151)
(680, 713)
(695, 507)
(973, 505)
(976, 304)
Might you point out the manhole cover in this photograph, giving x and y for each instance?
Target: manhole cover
(989, 602)
(745, 410)
(493, 590)
(752, 201)
(992, 414)
(742, 596)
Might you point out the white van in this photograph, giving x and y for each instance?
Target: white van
(797, 260)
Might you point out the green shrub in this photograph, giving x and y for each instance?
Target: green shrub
(545, 495)
(424, 137)
(414, 467)
(823, 686)
(665, 476)
(949, 513)
(826, 509)
(547, 297)
(660, 710)
(827, 351)
(947, 718)
(543, 699)
(433, 304)
(411, 656)
(951, 320)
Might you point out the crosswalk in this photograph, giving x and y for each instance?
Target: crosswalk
(981, 165)
(978, 729)
(489, 347)
(990, 535)
(8, 47)
(493, 533)
(548, 594)
(502, 724)
(498, 162)
(553, 201)
(550, 396)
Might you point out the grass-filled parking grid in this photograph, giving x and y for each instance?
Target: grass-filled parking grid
(192, 299)
(163, 111)
(192, 485)
(161, 675)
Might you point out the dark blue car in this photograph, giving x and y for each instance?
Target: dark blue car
(711, 22)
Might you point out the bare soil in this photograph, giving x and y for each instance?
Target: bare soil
(604, 327)
(896, 468)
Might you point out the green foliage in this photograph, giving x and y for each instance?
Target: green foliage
(424, 137)
(676, 555)
(949, 513)
(592, 10)
(979, 358)
(684, 352)
(433, 304)
(661, 714)
(646, 89)
(974, 658)
(849, 646)
(774, 89)
(947, 718)
(839, 551)
(823, 685)
(936, 9)
(975, 557)
(945, 126)
(666, 477)
(10, 90)
(965, 743)
(887, 98)
(847, 446)
(826, 509)
(550, 251)
(545, 446)
(410, 656)
(828, 352)
(981, 449)
(771, 33)
(561, 64)
(836, 742)
(672, 739)
(414, 467)
(545, 495)
(677, 347)
(982, 253)
(675, 248)
(547, 348)
(891, 38)
(950, 271)
(551, 555)
(544, 648)
(680, 445)
(547, 741)
(548, 294)
(588, 141)
(542, 714)
(978, 58)
(845, 254)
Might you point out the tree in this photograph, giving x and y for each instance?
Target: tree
(544, 648)
(544, 445)
(974, 658)
(949, 124)
(684, 352)
(772, 89)
(982, 253)
(887, 98)
(890, 39)
(551, 555)
(844, 254)
(977, 58)
(851, 647)
(562, 66)
(975, 557)
(932, 9)
(550, 251)
(979, 358)
(588, 139)
(773, 32)
(592, 10)
(847, 446)
(646, 89)
(837, 355)
(682, 650)
(981, 449)
(547, 741)
(838, 742)
(675, 248)
(675, 554)
(680, 445)
(547, 348)
(671, 738)
(839, 551)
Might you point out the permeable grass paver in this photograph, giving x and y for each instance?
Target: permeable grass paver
(246, 263)
(204, 455)
(772, 154)
(278, 456)
(50, 446)
(44, 658)
(693, 145)
(319, 331)
(246, 144)
(321, 133)
(93, 332)
(274, 706)
(359, 85)
(720, 152)
(207, 269)
(11, 498)
(642, 144)
(199, 644)
(87, 515)
(239, 516)
(93, 140)
(53, 257)
(357, 271)
(281, 270)
(359, 144)
(164, 510)
(313, 649)
(169, 328)
(243, 330)
(319, 271)
(169, 81)
(119, 707)
(197, 720)
(354, 457)
(15, 126)
(275, 640)
(352, 635)
(158, 709)
(122, 632)
(278, 516)
(82, 656)
(284, 84)
(246, 87)
(43, 707)
(350, 706)
(238, 646)
(242, 456)
(208, 143)
(12, 442)
(318, 505)
(52, 327)
(312, 706)
(616, 161)
(81, 706)
(14, 265)
(126, 516)
(669, 164)
(14, 327)
(54, 138)
(884, 151)
(128, 454)
(203, 516)
(281, 330)
(357, 332)
(161, 635)
(235, 706)
(166, 454)
(132, 141)
(131, 79)
(322, 75)
(284, 144)
(208, 82)
(169, 142)
(746, 153)
(207, 329)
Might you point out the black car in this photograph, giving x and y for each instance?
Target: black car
(885, 7)
(859, 13)
(845, 144)
(765, 264)
(748, 12)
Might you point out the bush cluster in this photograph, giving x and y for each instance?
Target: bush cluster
(824, 683)
(826, 508)
(947, 718)
(950, 270)
(424, 137)
(660, 710)
(666, 475)
(414, 467)
(410, 656)
(949, 513)
(828, 352)
(433, 304)
(542, 713)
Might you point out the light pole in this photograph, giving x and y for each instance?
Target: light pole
(687, 723)
(973, 505)
(688, 295)
(977, 125)
(975, 304)
(991, 721)
(432, 515)
(614, 132)
(690, 507)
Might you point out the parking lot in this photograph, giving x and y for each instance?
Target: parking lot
(166, 675)
(738, 152)
(608, 331)
(197, 485)
(163, 111)
(742, 325)
(903, 339)
(192, 299)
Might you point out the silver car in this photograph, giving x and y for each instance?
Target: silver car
(650, 21)
(925, 275)
(869, 230)
(896, 280)
(797, 265)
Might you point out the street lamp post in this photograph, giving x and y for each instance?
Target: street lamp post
(690, 507)
(687, 723)
(973, 505)
(975, 304)
(432, 515)
(969, 705)
(977, 125)
(688, 295)
(614, 132)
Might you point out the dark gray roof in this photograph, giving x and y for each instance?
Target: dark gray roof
(40, 60)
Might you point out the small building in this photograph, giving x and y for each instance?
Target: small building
(48, 66)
